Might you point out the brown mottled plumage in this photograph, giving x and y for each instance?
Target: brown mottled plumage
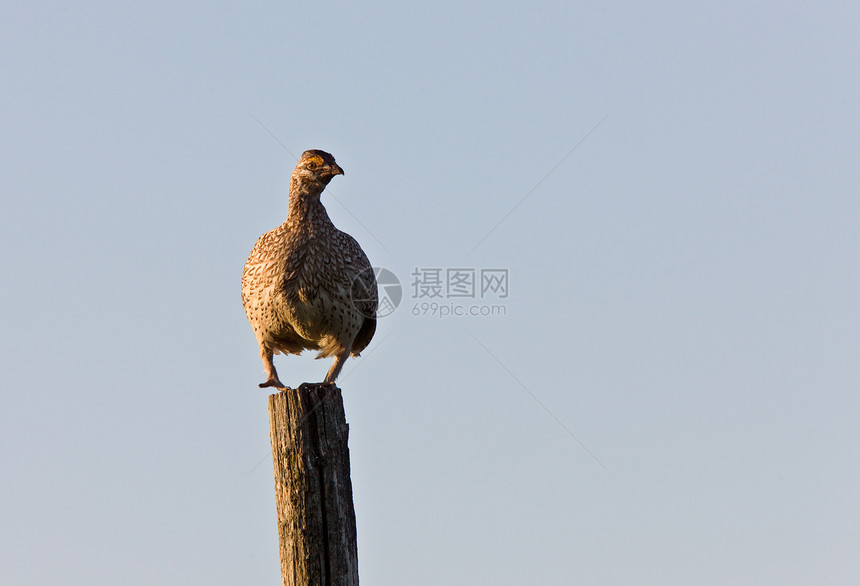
(307, 285)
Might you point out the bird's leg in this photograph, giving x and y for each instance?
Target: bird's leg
(339, 359)
(271, 374)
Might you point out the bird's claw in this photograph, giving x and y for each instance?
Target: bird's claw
(273, 382)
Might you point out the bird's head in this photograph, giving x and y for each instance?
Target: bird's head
(316, 166)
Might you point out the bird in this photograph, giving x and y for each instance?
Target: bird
(307, 285)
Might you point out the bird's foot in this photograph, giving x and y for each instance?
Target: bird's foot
(273, 382)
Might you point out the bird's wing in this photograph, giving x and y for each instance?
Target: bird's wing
(360, 273)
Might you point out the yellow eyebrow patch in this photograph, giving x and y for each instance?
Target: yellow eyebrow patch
(317, 160)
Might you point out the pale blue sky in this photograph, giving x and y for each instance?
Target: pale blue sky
(683, 288)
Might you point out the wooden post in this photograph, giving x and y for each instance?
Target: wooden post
(316, 518)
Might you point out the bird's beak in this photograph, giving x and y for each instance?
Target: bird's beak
(335, 169)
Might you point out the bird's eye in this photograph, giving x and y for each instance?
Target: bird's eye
(312, 165)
